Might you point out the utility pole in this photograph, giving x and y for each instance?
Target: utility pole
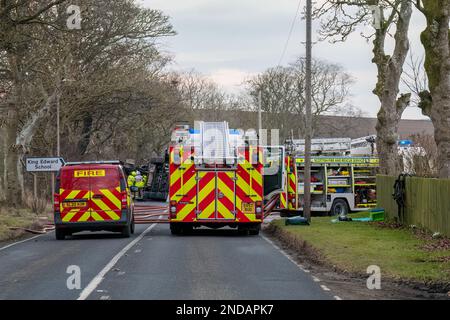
(58, 139)
(260, 116)
(308, 93)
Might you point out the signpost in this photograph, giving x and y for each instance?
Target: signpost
(35, 165)
(44, 164)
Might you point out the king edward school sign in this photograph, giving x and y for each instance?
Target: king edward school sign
(44, 164)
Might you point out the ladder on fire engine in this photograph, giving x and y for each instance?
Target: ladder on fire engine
(215, 147)
(333, 146)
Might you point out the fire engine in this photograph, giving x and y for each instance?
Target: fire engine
(340, 181)
(220, 177)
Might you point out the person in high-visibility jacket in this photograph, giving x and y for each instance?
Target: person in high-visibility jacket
(132, 179)
(139, 180)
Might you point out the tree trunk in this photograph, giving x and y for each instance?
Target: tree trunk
(13, 190)
(436, 102)
(390, 70)
(387, 133)
(3, 153)
(85, 137)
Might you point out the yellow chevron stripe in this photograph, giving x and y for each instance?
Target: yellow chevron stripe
(224, 211)
(183, 213)
(106, 209)
(113, 215)
(229, 194)
(207, 189)
(206, 213)
(70, 215)
(178, 176)
(72, 194)
(257, 176)
(223, 187)
(96, 216)
(85, 217)
(111, 198)
(186, 186)
(283, 200)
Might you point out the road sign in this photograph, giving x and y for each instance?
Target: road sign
(44, 164)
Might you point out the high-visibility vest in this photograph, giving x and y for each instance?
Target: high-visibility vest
(131, 180)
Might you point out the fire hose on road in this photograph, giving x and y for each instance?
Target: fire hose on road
(149, 214)
(145, 214)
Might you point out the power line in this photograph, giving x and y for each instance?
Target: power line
(290, 33)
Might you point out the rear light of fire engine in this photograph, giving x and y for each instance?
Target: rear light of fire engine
(56, 199)
(173, 209)
(124, 199)
(259, 210)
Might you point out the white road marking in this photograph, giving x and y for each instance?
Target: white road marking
(301, 267)
(99, 278)
(105, 298)
(286, 255)
(26, 240)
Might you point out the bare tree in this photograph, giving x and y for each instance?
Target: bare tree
(422, 159)
(283, 98)
(91, 72)
(17, 18)
(435, 102)
(341, 18)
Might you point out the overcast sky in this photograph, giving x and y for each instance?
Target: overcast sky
(231, 40)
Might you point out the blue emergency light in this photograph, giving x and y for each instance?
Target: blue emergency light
(405, 143)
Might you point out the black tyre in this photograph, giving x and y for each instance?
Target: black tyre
(339, 208)
(243, 230)
(132, 226)
(126, 231)
(187, 229)
(175, 229)
(254, 231)
(60, 234)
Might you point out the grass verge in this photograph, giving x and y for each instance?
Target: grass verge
(402, 254)
(22, 218)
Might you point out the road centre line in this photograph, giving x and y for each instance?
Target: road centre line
(101, 275)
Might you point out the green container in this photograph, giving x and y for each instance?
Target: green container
(296, 221)
(377, 214)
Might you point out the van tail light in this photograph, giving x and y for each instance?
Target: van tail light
(56, 202)
(124, 199)
(259, 210)
(173, 209)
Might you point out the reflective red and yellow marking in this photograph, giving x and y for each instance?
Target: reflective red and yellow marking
(106, 208)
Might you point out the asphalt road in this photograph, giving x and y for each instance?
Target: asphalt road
(153, 264)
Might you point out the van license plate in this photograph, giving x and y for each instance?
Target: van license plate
(248, 208)
(74, 204)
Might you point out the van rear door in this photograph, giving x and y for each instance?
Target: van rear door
(105, 204)
(75, 195)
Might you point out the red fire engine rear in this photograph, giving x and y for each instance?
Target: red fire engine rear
(216, 179)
